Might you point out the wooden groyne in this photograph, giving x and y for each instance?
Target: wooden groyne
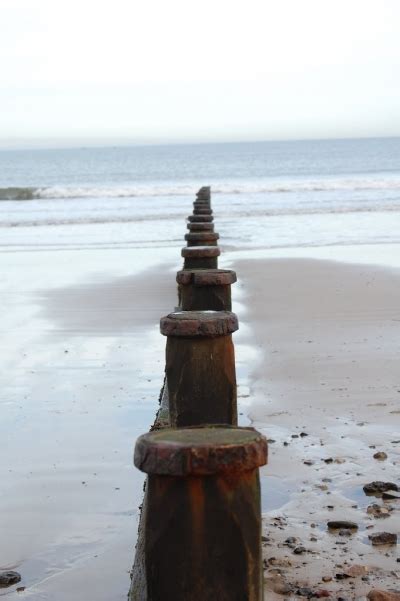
(199, 536)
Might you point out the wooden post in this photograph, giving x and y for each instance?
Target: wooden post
(200, 367)
(202, 238)
(204, 193)
(200, 218)
(202, 201)
(200, 226)
(203, 514)
(205, 289)
(200, 257)
(202, 211)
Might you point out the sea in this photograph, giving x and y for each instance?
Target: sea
(274, 195)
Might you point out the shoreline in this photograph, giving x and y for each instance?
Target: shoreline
(324, 387)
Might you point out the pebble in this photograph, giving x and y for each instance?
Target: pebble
(8, 578)
(357, 570)
(379, 487)
(304, 592)
(291, 540)
(383, 538)
(378, 511)
(380, 455)
(379, 595)
(342, 524)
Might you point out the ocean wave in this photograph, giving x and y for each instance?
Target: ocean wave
(159, 190)
(18, 193)
(255, 213)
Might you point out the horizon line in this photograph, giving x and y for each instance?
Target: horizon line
(88, 143)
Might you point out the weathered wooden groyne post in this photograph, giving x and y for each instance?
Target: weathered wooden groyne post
(200, 218)
(209, 238)
(200, 257)
(200, 367)
(204, 193)
(199, 536)
(205, 289)
(203, 518)
(200, 226)
(202, 210)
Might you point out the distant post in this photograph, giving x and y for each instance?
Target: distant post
(205, 289)
(202, 238)
(200, 257)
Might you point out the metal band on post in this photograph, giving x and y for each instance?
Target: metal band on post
(202, 238)
(205, 289)
(200, 257)
(200, 218)
(203, 517)
(202, 211)
(202, 226)
(200, 367)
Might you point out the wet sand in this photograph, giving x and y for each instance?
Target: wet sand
(325, 386)
(82, 366)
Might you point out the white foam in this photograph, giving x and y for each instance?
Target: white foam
(268, 186)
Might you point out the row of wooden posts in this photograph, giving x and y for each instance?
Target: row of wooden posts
(199, 535)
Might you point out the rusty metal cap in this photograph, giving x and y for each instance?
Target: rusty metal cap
(191, 324)
(200, 218)
(206, 277)
(200, 451)
(200, 252)
(201, 236)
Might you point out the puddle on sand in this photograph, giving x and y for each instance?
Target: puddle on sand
(357, 494)
(274, 493)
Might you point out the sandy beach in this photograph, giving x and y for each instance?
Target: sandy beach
(82, 366)
(325, 390)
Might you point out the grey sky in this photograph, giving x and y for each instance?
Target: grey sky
(177, 70)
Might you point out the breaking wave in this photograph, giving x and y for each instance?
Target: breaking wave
(132, 191)
(18, 193)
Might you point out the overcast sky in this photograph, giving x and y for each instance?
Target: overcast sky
(179, 70)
